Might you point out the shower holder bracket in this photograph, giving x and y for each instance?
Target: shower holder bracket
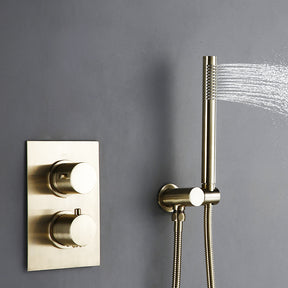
(171, 196)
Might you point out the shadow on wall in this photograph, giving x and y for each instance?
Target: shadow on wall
(160, 81)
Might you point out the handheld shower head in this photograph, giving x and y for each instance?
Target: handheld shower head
(209, 123)
(170, 195)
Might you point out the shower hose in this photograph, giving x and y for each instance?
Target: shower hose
(178, 217)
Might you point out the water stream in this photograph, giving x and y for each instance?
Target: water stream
(261, 85)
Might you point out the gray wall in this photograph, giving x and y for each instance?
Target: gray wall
(128, 73)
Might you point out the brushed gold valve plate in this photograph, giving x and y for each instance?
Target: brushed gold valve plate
(42, 204)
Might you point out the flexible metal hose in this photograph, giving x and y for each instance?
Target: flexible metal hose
(209, 245)
(178, 217)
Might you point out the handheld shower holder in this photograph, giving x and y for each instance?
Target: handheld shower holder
(171, 197)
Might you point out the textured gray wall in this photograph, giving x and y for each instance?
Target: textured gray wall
(128, 73)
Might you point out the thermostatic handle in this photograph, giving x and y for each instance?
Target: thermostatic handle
(68, 178)
(71, 230)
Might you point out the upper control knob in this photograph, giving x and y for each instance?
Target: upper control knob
(69, 178)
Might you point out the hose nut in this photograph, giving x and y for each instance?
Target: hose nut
(178, 216)
(181, 216)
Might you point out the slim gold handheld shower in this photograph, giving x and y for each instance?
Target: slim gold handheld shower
(209, 156)
(209, 123)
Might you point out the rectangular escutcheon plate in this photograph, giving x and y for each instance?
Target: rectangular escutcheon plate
(43, 204)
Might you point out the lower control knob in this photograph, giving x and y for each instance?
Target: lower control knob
(71, 230)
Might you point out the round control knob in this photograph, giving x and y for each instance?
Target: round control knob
(71, 230)
(68, 178)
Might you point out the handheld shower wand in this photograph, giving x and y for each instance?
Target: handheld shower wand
(174, 199)
(208, 177)
(209, 156)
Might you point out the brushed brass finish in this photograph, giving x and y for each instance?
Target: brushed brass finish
(165, 188)
(50, 233)
(208, 241)
(212, 197)
(209, 123)
(69, 229)
(42, 205)
(178, 217)
(171, 196)
(209, 156)
(66, 178)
